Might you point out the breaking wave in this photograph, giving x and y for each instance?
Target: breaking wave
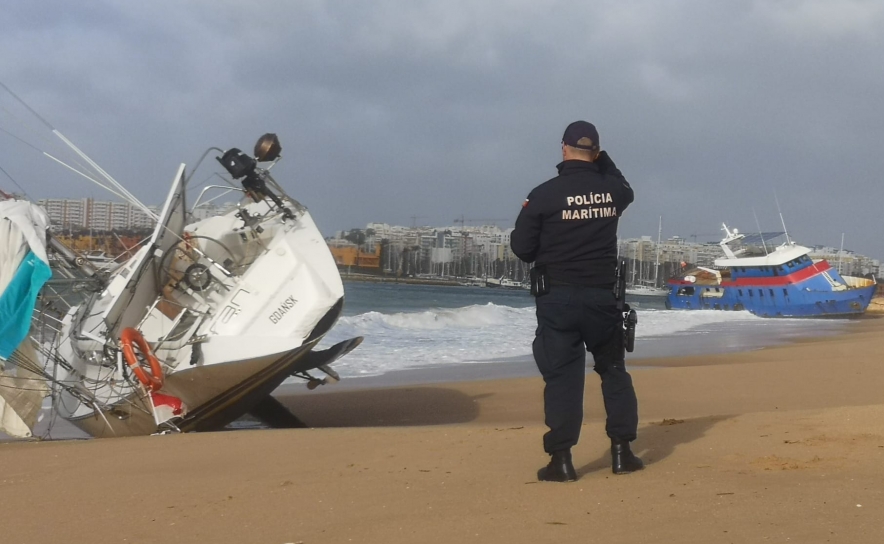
(487, 315)
(478, 333)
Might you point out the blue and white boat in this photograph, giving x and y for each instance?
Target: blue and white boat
(780, 281)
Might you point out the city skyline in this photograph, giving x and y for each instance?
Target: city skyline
(111, 215)
(476, 249)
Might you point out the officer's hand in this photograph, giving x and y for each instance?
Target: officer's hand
(604, 161)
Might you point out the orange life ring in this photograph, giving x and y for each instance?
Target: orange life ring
(153, 380)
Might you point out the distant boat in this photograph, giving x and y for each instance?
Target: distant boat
(646, 291)
(505, 283)
(511, 284)
(472, 281)
(769, 282)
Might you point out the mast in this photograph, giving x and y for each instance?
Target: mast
(657, 259)
(841, 253)
(783, 221)
(634, 256)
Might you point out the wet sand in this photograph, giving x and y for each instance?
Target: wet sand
(782, 444)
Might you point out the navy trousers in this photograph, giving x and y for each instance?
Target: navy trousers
(572, 320)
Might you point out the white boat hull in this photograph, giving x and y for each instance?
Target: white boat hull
(272, 292)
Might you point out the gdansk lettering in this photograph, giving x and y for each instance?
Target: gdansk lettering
(283, 309)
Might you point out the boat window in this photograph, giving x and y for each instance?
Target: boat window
(761, 292)
(687, 291)
(740, 291)
(785, 293)
(771, 292)
(751, 293)
(776, 271)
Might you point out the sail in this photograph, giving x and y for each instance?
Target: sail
(21, 393)
(24, 269)
(13, 250)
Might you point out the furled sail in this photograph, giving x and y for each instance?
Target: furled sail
(24, 269)
(21, 393)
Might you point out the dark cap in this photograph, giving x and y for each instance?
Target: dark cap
(581, 135)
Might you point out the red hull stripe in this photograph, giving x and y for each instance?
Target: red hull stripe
(794, 277)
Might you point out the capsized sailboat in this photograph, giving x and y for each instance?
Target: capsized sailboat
(198, 327)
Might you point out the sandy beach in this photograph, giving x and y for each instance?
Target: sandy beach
(784, 444)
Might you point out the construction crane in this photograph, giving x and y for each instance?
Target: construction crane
(463, 221)
(713, 235)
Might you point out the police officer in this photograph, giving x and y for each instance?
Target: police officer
(568, 228)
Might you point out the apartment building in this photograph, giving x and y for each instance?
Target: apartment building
(97, 215)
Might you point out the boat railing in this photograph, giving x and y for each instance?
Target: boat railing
(227, 190)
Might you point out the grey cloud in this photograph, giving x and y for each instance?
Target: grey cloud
(437, 109)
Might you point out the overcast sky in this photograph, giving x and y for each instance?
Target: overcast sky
(441, 109)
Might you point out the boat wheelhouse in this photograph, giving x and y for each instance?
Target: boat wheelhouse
(770, 281)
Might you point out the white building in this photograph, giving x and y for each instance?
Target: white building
(97, 215)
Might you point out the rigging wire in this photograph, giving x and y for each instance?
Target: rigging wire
(12, 179)
(90, 178)
(121, 191)
(23, 103)
(50, 156)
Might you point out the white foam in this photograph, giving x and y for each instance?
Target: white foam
(477, 333)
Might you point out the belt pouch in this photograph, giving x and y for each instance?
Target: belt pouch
(539, 281)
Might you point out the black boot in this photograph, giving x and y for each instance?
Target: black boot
(623, 461)
(559, 468)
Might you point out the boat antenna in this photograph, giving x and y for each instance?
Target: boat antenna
(760, 234)
(783, 221)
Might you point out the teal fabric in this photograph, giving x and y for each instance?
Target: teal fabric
(18, 300)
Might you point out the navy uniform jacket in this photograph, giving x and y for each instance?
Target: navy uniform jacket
(569, 223)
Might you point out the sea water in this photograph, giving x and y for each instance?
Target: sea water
(410, 327)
